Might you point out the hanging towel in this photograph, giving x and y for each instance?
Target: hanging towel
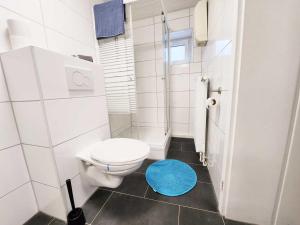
(109, 19)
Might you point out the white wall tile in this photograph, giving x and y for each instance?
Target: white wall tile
(20, 75)
(53, 76)
(159, 50)
(160, 67)
(195, 68)
(145, 69)
(180, 69)
(3, 89)
(31, 123)
(147, 84)
(193, 80)
(12, 174)
(8, 132)
(180, 129)
(158, 29)
(146, 100)
(179, 24)
(142, 23)
(160, 82)
(144, 52)
(180, 115)
(83, 7)
(65, 154)
(179, 99)
(18, 207)
(71, 117)
(179, 14)
(179, 82)
(82, 189)
(58, 17)
(147, 115)
(143, 35)
(50, 200)
(41, 165)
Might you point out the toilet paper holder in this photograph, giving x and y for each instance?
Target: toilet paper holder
(219, 90)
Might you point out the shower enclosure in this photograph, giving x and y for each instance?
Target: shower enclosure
(149, 119)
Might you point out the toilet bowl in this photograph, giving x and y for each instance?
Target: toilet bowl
(105, 163)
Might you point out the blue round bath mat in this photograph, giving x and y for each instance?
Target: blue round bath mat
(171, 177)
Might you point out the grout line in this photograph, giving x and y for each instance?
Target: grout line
(109, 197)
(40, 146)
(9, 147)
(160, 201)
(52, 220)
(48, 185)
(16, 188)
(178, 215)
(80, 135)
(146, 191)
(63, 98)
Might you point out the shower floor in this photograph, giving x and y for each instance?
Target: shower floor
(135, 203)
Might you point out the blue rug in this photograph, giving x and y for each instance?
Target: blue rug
(171, 177)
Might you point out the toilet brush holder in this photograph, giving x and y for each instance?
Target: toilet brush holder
(76, 215)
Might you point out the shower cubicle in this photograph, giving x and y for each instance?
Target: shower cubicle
(136, 68)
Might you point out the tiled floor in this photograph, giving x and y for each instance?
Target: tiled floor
(135, 203)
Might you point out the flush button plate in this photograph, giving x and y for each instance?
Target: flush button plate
(79, 78)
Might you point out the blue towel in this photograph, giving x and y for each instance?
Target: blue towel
(109, 19)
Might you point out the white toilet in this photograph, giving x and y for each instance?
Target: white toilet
(105, 163)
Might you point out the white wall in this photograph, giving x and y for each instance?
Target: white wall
(288, 207)
(16, 193)
(268, 70)
(218, 64)
(55, 123)
(150, 70)
(52, 26)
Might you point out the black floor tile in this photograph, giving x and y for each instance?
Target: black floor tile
(202, 173)
(128, 210)
(193, 216)
(201, 197)
(188, 157)
(57, 222)
(175, 146)
(188, 147)
(232, 222)
(145, 165)
(94, 204)
(39, 219)
(134, 184)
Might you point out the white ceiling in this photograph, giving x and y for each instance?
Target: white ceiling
(147, 8)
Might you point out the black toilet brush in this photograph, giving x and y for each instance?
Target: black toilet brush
(76, 216)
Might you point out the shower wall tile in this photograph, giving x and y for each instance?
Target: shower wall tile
(145, 68)
(41, 166)
(179, 82)
(50, 200)
(143, 35)
(146, 84)
(179, 99)
(31, 122)
(8, 132)
(69, 118)
(142, 23)
(144, 52)
(179, 24)
(21, 200)
(179, 14)
(158, 30)
(180, 115)
(13, 174)
(179, 69)
(180, 129)
(146, 100)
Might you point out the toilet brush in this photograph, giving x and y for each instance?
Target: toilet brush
(76, 216)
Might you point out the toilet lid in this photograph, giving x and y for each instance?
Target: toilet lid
(119, 151)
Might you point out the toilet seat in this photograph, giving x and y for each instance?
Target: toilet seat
(119, 151)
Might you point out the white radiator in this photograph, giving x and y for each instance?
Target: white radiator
(200, 113)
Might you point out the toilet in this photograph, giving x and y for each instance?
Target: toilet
(106, 163)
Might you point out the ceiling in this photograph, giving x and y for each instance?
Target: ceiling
(146, 8)
(142, 9)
